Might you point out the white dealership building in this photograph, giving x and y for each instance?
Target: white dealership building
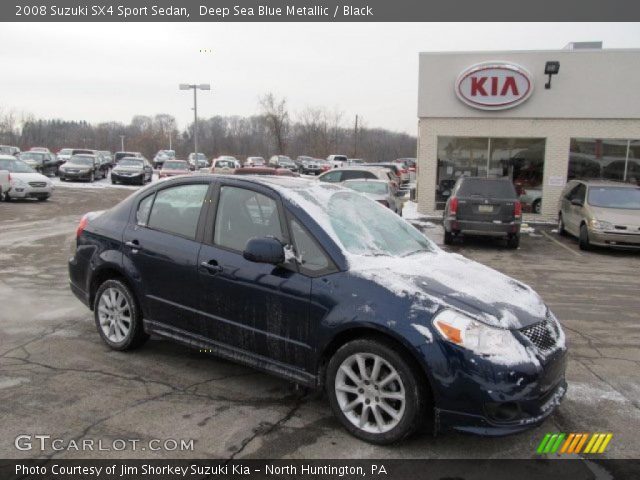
(537, 117)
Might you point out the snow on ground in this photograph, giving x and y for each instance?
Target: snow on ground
(410, 214)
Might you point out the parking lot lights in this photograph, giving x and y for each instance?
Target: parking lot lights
(195, 87)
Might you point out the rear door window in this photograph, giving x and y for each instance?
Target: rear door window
(177, 209)
(355, 174)
(477, 187)
(332, 177)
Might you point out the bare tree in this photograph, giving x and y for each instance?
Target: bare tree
(277, 116)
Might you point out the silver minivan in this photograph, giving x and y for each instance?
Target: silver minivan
(601, 212)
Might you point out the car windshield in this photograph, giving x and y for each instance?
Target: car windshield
(225, 163)
(615, 197)
(31, 156)
(15, 166)
(486, 187)
(130, 162)
(175, 165)
(77, 160)
(360, 226)
(376, 188)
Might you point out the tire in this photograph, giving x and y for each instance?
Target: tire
(121, 329)
(62, 179)
(561, 230)
(537, 206)
(113, 181)
(448, 238)
(378, 428)
(43, 199)
(583, 240)
(513, 242)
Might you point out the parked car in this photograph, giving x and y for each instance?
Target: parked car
(5, 181)
(9, 150)
(41, 162)
(483, 206)
(317, 284)
(120, 155)
(64, 154)
(25, 182)
(82, 167)
(40, 149)
(83, 151)
(379, 191)
(338, 175)
(309, 165)
(398, 170)
(202, 161)
(601, 212)
(107, 158)
(223, 166)
(281, 172)
(254, 162)
(171, 168)
(162, 156)
(282, 161)
(337, 161)
(530, 197)
(132, 170)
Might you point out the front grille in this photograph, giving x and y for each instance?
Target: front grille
(543, 335)
(38, 184)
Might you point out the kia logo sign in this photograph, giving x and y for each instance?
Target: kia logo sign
(494, 86)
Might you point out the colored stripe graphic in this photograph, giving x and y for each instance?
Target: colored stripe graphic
(573, 443)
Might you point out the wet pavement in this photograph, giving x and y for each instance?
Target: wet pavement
(58, 378)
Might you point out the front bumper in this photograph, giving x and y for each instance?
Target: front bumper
(30, 192)
(75, 175)
(124, 178)
(483, 228)
(614, 239)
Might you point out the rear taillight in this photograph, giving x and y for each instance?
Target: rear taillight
(82, 225)
(384, 202)
(453, 206)
(517, 209)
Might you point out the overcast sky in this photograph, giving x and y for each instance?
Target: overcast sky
(101, 72)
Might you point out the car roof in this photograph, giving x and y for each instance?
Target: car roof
(369, 180)
(605, 183)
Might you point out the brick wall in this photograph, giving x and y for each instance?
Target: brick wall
(557, 133)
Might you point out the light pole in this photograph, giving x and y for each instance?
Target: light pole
(202, 86)
(122, 143)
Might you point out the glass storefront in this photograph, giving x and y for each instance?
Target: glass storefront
(520, 159)
(608, 159)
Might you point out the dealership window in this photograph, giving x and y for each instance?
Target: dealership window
(608, 159)
(520, 159)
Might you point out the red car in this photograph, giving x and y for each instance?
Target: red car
(171, 168)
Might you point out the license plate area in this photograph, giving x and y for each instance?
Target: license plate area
(485, 208)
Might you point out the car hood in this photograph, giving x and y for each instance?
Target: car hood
(617, 216)
(31, 177)
(172, 171)
(434, 280)
(77, 165)
(127, 169)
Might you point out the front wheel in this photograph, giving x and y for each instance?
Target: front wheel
(117, 316)
(375, 393)
(561, 230)
(583, 240)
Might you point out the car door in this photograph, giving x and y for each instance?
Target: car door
(161, 245)
(255, 308)
(574, 217)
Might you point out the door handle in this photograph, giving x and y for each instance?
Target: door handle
(134, 245)
(212, 267)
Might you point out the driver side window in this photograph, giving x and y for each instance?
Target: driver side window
(244, 214)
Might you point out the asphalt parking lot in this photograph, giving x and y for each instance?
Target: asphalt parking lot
(58, 378)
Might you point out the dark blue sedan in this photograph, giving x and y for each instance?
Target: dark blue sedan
(322, 286)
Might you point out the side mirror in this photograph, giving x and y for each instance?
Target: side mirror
(264, 250)
(577, 202)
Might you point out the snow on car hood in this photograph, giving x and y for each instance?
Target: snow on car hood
(30, 177)
(451, 280)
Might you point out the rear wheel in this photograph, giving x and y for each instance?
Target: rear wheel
(583, 240)
(375, 392)
(448, 237)
(117, 316)
(537, 206)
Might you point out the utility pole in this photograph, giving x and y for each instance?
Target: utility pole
(355, 139)
(122, 143)
(195, 87)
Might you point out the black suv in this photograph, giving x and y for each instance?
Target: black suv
(483, 206)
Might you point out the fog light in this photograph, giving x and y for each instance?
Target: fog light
(502, 412)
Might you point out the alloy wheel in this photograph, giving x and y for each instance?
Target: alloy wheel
(114, 314)
(370, 392)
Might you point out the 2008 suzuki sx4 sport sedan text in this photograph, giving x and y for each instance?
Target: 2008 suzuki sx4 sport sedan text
(322, 286)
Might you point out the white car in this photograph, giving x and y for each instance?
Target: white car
(337, 161)
(25, 181)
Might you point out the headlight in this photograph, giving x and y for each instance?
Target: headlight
(459, 329)
(600, 224)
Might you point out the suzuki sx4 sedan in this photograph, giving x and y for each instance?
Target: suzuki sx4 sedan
(317, 284)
